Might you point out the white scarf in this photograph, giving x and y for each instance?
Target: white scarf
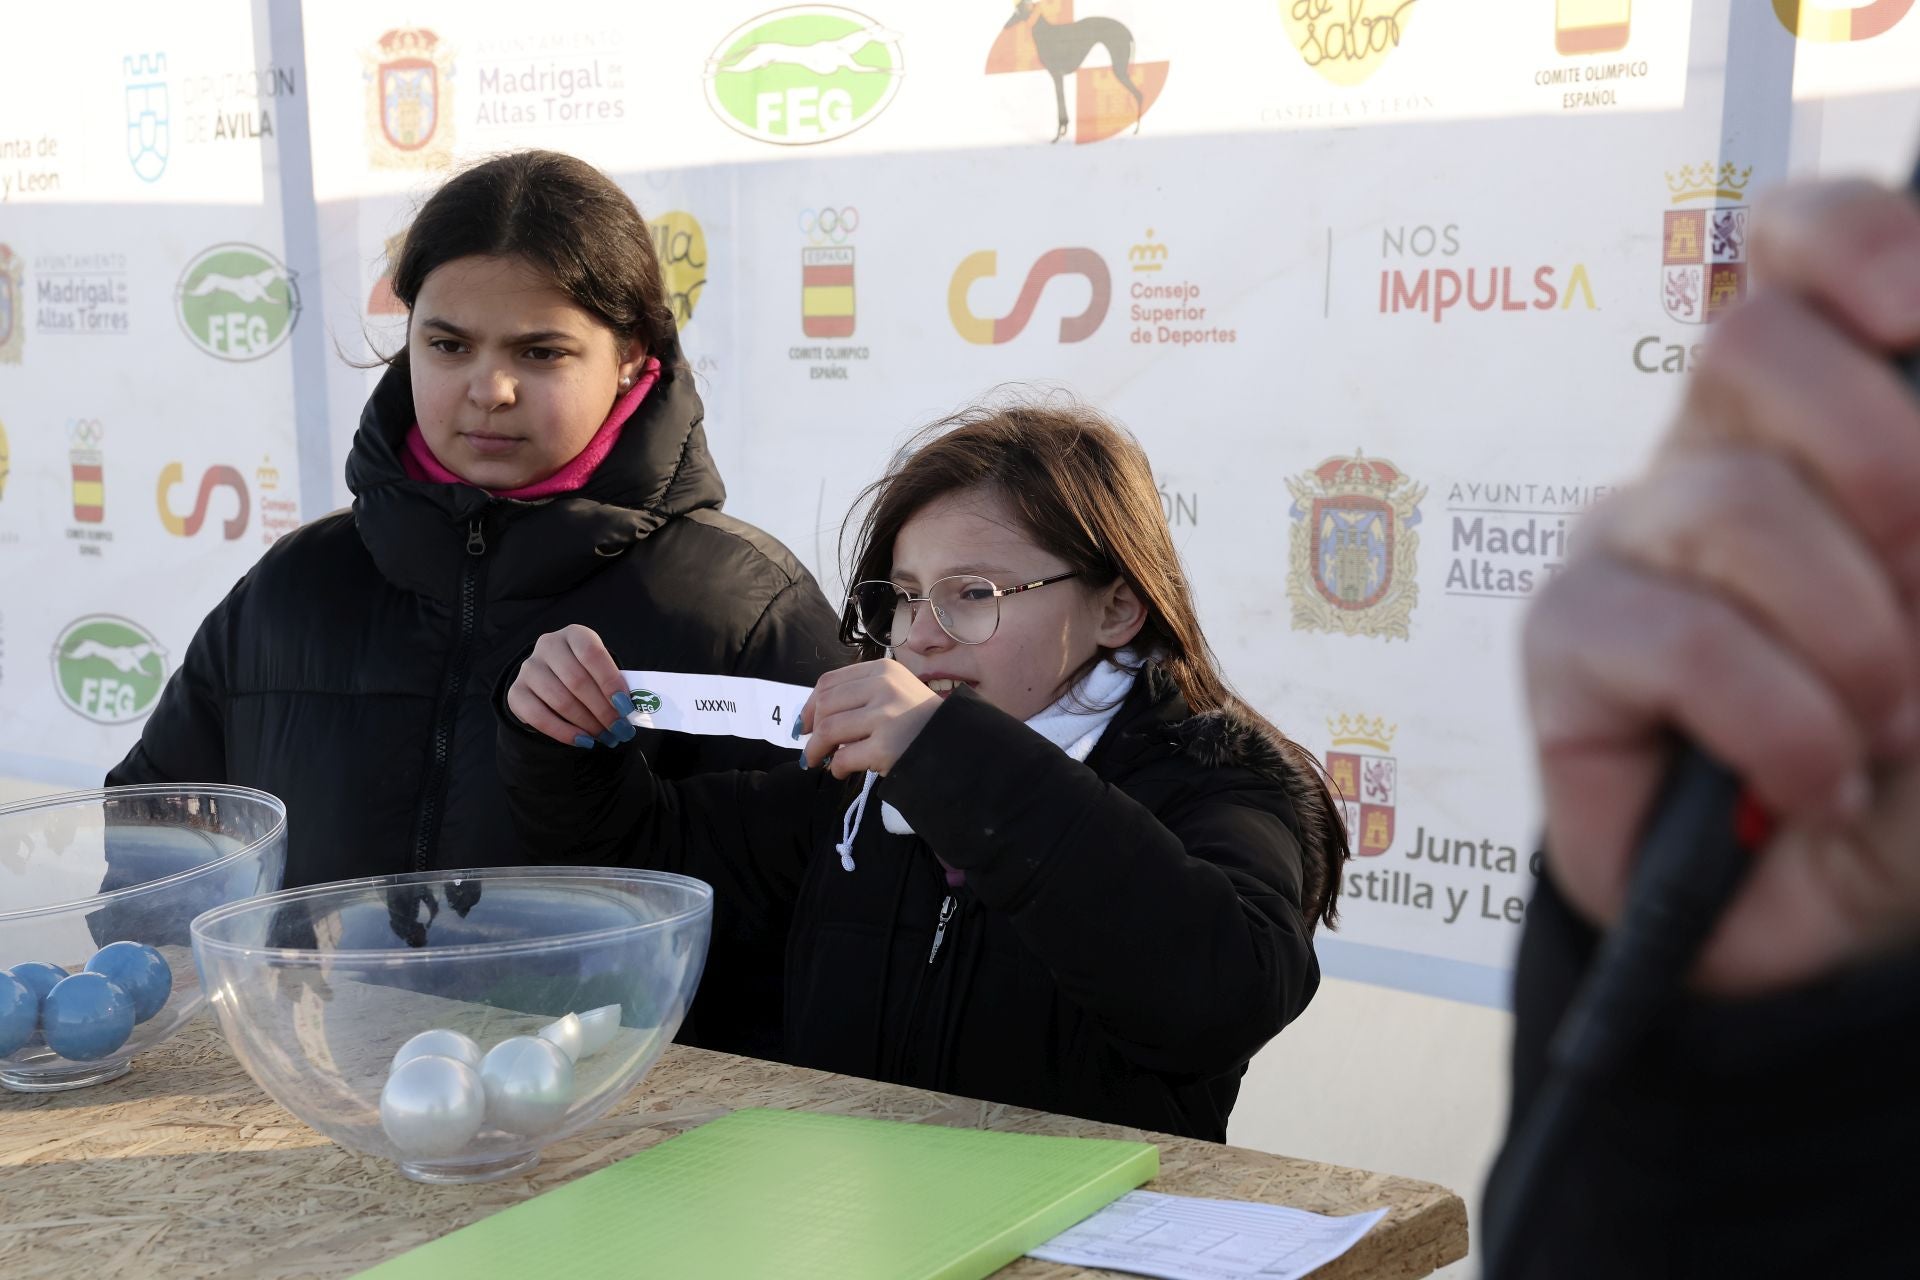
(1074, 724)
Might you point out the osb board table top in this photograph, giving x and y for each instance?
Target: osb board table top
(184, 1168)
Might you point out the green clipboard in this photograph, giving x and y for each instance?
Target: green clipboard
(797, 1194)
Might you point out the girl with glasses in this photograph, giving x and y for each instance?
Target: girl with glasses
(1036, 851)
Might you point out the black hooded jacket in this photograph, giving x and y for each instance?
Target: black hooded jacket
(349, 672)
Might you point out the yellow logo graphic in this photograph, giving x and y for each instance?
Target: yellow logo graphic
(682, 248)
(1346, 40)
(1149, 255)
(1838, 21)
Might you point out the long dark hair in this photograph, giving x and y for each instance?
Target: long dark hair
(1081, 488)
(566, 218)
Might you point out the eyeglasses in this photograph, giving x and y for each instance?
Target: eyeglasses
(966, 606)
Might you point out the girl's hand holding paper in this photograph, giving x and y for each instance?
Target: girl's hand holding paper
(571, 689)
(865, 716)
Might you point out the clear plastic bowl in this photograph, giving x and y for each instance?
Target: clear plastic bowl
(318, 988)
(130, 864)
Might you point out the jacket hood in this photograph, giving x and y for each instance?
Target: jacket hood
(1235, 736)
(418, 531)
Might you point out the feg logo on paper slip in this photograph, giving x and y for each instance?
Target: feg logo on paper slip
(728, 706)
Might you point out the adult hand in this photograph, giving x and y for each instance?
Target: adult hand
(1756, 591)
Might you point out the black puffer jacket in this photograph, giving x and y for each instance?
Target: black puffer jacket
(1764, 1137)
(1129, 932)
(349, 671)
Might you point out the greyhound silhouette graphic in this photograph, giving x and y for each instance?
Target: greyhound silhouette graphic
(1063, 47)
(822, 58)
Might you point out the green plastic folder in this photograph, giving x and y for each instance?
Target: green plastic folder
(795, 1194)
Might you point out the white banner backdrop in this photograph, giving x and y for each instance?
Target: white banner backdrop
(1390, 289)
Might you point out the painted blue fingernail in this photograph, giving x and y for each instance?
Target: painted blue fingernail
(623, 703)
(582, 740)
(796, 728)
(803, 760)
(624, 730)
(606, 739)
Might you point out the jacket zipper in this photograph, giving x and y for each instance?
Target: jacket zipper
(427, 822)
(940, 930)
(908, 1048)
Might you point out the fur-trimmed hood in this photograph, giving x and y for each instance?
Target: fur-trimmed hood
(1239, 737)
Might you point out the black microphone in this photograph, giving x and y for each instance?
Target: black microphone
(1693, 856)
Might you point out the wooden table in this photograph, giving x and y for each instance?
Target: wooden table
(185, 1168)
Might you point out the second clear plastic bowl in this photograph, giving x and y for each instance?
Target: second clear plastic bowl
(317, 988)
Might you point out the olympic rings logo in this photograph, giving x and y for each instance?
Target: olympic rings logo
(829, 226)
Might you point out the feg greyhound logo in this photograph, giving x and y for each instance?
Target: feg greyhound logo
(237, 302)
(108, 669)
(804, 74)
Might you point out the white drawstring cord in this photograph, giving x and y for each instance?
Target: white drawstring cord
(850, 821)
(850, 824)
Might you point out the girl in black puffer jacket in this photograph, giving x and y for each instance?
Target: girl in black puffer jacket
(1036, 852)
(533, 456)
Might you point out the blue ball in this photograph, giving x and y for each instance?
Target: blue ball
(86, 1017)
(19, 1012)
(39, 976)
(138, 970)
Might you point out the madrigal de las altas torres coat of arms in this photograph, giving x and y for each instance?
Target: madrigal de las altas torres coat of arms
(1353, 547)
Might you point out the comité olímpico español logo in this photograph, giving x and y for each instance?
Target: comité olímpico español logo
(826, 272)
(1353, 547)
(804, 74)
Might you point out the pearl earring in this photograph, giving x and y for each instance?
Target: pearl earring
(626, 382)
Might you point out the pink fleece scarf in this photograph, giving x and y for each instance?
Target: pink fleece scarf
(421, 465)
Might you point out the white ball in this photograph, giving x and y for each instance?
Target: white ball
(568, 1035)
(432, 1106)
(598, 1027)
(438, 1043)
(529, 1085)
